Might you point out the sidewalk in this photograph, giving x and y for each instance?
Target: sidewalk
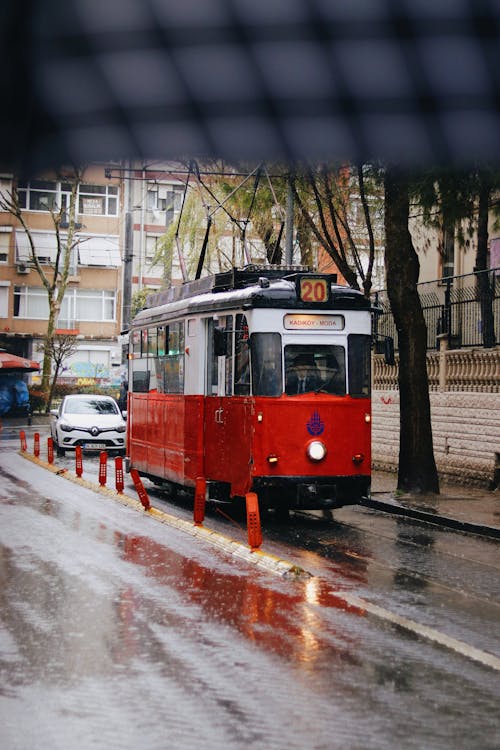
(460, 507)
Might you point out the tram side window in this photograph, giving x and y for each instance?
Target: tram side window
(220, 366)
(140, 380)
(267, 376)
(359, 354)
(170, 360)
(241, 357)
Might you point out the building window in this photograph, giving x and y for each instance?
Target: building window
(90, 305)
(30, 302)
(165, 198)
(43, 195)
(48, 195)
(78, 305)
(448, 253)
(4, 246)
(4, 299)
(98, 200)
(153, 245)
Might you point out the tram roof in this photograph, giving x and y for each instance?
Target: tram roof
(252, 286)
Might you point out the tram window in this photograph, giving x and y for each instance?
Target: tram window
(136, 343)
(315, 368)
(229, 358)
(266, 364)
(359, 348)
(170, 368)
(152, 342)
(161, 341)
(175, 338)
(140, 381)
(220, 366)
(241, 357)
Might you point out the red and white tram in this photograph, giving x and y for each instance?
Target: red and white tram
(257, 379)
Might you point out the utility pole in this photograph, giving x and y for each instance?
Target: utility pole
(127, 271)
(289, 222)
(128, 251)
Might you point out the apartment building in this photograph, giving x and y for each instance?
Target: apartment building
(91, 309)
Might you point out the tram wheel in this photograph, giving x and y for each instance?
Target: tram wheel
(282, 513)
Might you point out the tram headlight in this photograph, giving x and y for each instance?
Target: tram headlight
(316, 450)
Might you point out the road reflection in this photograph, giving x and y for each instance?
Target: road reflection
(289, 622)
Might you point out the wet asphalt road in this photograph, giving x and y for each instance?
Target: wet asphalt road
(118, 631)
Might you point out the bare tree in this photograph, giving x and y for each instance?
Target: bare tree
(326, 196)
(59, 348)
(55, 279)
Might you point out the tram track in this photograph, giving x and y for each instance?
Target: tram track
(432, 583)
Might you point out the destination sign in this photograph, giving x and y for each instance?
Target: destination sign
(302, 322)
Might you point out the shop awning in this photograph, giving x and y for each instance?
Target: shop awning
(13, 363)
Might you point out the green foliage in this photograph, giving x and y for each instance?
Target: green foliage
(448, 197)
(38, 399)
(138, 302)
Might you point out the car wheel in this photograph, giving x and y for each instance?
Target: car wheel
(59, 451)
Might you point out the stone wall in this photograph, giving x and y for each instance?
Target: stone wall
(465, 413)
(465, 431)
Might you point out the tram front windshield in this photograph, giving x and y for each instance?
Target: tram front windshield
(315, 368)
(309, 367)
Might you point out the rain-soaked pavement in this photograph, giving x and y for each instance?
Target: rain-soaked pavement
(117, 631)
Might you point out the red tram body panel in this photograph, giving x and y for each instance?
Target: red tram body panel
(259, 384)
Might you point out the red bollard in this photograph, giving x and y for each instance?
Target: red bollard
(36, 444)
(253, 520)
(200, 493)
(103, 468)
(78, 461)
(143, 495)
(119, 481)
(22, 435)
(50, 450)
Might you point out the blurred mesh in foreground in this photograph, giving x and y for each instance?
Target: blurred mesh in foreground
(413, 81)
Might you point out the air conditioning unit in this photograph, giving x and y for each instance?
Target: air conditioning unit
(22, 268)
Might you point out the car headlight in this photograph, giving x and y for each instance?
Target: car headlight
(66, 427)
(121, 428)
(316, 450)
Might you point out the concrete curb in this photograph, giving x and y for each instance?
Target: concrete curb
(433, 518)
(257, 557)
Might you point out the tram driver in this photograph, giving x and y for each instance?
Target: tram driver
(303, 375)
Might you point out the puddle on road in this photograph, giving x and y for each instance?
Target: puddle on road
(283, 618)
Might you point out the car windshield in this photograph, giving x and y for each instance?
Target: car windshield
(90, 406)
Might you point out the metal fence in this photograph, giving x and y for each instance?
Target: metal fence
(453, 306)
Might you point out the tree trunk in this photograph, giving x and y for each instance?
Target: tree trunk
(47, 356)
(417, 468)
(484, 289)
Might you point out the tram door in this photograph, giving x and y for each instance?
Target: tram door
(227, 418)
(218, 382)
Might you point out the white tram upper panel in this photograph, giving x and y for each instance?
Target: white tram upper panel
(247, 290)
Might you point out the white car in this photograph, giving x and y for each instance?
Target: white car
(92, 421)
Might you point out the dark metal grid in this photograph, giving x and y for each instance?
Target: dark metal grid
(413, 81)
